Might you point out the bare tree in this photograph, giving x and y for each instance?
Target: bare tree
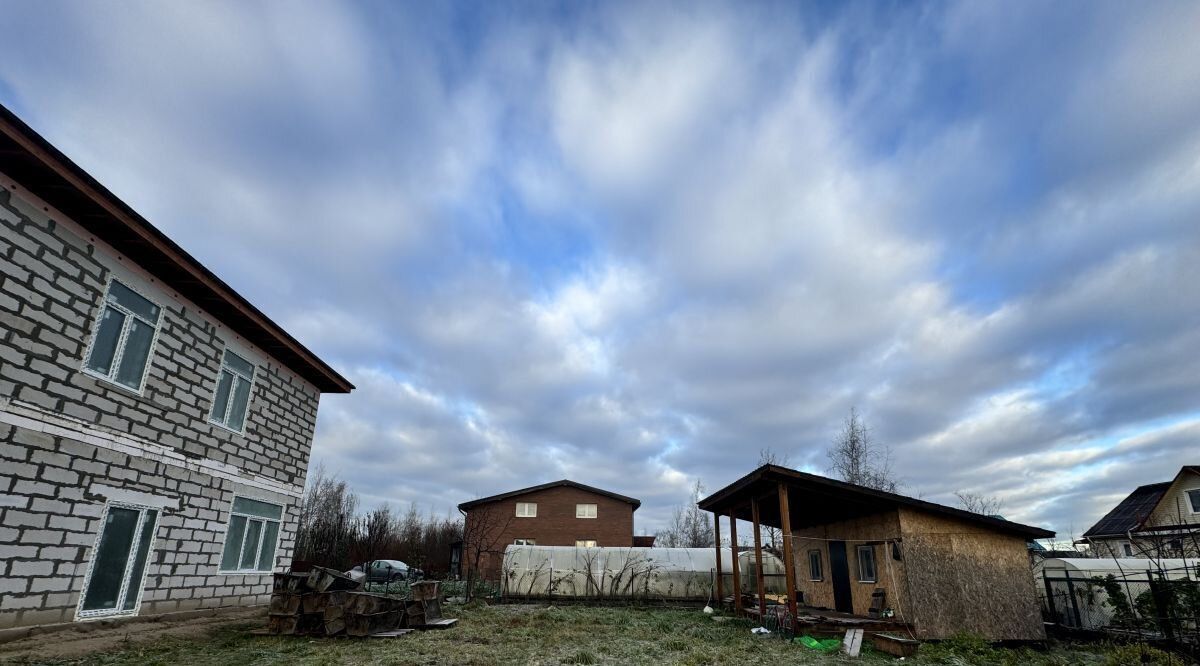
(858, 459)
(773, 536)
(484, 541)
(987, 505)
(690, 527)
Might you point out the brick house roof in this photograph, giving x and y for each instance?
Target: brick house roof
(545, 486)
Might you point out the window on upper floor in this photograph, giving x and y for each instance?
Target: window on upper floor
(252, 536)
(526, 509)
(866, 564)
(585, 543)
(232, 397)
(1128, 548)
(524, 542)
(1194, 500)
(585, 510)
(123, 337)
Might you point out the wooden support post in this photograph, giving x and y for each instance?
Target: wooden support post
(789, 562)
(758, 569)
(717, 538)
(737, 581)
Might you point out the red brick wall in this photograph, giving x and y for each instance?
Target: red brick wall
(555, 524)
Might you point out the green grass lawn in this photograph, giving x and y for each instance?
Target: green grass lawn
(552, 635)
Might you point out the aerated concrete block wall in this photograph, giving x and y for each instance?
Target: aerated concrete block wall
(70, 442)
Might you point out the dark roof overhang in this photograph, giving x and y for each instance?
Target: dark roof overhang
(50, 175)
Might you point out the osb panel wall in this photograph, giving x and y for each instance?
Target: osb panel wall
(880, 527)
(962, 577)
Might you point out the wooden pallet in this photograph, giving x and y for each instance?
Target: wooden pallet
(444, 623)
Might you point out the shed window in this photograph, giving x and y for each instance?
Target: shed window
(524, 542)
(814, 565)
(232, 395)
(866, 564)
(252, 536)
(585, 510)
(526, 509)
(585, 543)
(123, 337)
(1194, 500)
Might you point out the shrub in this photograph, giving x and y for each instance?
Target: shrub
(1140, 653)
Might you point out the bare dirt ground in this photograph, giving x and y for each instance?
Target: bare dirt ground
(94, 639)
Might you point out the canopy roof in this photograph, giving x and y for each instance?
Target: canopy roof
(41, 168)
(816, 500)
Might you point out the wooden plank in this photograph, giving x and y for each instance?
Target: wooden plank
(734, 565)
(789, 561)
(758, 567)
(444, 623)
(395, 633)
(717, 539)
(852, 643)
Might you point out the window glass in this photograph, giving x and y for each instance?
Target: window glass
(814, 565)
(137, 350)
(233, 543)
(526, 509)
(586, 543)
(524, 542)
(104, 348)
(585, 510)
(1194, 498)
(221, 399)
(250, 545)
(139, 562)
(866, 564)
(238, 364)
(266, 556)
(132, 301)
(108, 567)
(254, 507)
(237, 408)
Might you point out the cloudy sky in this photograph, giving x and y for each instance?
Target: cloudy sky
(635, 244)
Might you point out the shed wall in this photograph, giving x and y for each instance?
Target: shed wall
(889, 572)
(963, 577)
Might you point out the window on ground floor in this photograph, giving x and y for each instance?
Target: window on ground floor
(585, 543)
(814, 565)
(114, 580)
(866, 564)
(524, 542)
(252, 536)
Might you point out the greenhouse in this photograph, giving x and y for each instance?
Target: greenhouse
(1098, 593)
(649, 574)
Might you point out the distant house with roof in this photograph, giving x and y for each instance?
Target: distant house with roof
(559, 513)
(1156, 520)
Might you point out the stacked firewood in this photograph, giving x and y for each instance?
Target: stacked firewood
(324, 602)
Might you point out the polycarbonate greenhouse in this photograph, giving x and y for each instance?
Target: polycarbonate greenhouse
(651, 574)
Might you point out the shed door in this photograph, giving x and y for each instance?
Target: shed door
(839, 574)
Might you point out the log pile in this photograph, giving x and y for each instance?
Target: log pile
(324, 602)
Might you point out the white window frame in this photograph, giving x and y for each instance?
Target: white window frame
(101, 613)
(229, 398)
(258, 549)
(527, 513)
(585, 543)
(524, 542)
(858, 557)
(1193, 504)
(111, 377)
(581, 511)
(820, 566)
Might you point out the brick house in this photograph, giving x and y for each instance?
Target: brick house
(559, 513)
(154, 426)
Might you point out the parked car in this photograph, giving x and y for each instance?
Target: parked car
(386, 571)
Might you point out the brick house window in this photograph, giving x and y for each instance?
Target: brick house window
(123, 337)
(585, 510)
(117, 571)
(232, 396)
(585, 543)
(814, 565)
(252, 536)
(866, 564)
(524, 542)
(526, 509)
